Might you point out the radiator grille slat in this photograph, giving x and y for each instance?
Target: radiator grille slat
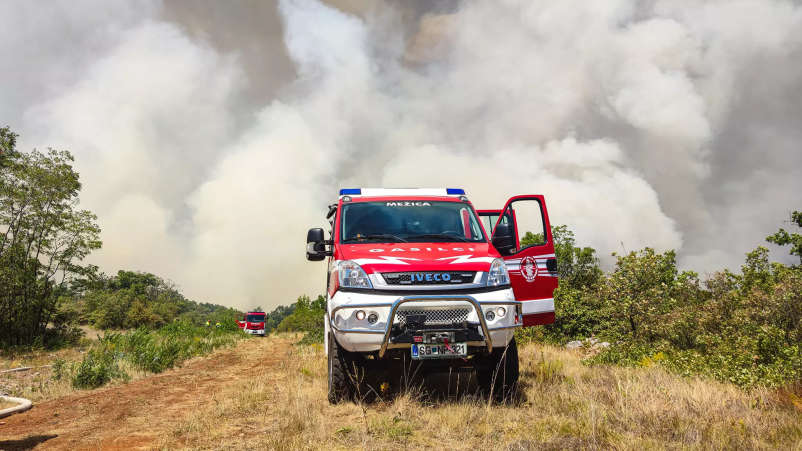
(433, 316)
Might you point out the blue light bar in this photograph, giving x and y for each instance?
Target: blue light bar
(351, 192)
(455, 191)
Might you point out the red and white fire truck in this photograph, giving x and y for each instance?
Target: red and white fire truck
(417, 276)
(252, 322)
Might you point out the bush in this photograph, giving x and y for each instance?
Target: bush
(307, 315)
(98, 367)
(745, 329)
(312, 337)
(147, 350)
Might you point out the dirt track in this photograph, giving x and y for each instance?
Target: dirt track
(137, 415)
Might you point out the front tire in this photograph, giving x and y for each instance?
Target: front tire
(500, 378)
(341, 384)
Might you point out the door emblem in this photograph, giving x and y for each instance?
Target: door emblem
(529, 268)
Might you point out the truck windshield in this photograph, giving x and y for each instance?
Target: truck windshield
(411, 221)
(255, 318)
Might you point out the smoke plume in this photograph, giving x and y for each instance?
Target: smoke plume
(211, 135)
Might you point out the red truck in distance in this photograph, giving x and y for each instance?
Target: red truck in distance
(252, 322)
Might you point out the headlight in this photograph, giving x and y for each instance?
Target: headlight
(498, 274)
(352, 276)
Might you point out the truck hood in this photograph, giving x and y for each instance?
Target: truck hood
(385, 257)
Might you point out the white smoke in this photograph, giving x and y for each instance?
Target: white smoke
(656, 123)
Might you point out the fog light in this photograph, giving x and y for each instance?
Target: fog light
(360, 315)
(373, 318)
(501, 311)
(490, 316)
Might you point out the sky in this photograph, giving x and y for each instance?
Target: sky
(211, 135)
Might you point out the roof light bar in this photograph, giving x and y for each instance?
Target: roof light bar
(373, 192)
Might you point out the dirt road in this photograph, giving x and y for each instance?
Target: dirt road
(137, 415)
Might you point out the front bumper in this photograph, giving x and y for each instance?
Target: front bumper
(254, 331)
(360, 336)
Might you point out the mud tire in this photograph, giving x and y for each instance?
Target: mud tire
(341, 384)
(500, 378)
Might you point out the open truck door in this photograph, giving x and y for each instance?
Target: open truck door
(522, 235)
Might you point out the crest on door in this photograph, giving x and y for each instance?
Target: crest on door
(529, 268)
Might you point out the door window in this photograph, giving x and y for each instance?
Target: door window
(489, 221)
(527, 215)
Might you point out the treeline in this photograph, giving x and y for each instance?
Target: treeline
(131, 300)
(46, 288)
(742, 328)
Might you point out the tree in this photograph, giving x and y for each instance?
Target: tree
(275, 317)
(308, 315)
(134, 299)
(783, 238)
(44, 237)
(8, 143)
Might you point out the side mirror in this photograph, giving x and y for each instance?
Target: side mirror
(504, 239)
(315, 245)
(314, 235)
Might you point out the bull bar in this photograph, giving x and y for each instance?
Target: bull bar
(404, 299)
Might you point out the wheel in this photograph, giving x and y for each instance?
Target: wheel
(341, 384)
(499, 378)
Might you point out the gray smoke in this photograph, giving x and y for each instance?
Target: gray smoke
(210, 135)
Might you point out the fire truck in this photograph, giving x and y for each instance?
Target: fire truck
(419, 277)
(252, 322)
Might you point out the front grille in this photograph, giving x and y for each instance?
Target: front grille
(435, 316)
(428, 278)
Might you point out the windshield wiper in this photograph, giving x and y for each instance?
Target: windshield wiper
(376, 237)
(440, 235)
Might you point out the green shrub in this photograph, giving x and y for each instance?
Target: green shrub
(148, 350)
(308, 315)
(740, 328)
(59, 368)
(314, 336)
(98, 367)
(744, 329)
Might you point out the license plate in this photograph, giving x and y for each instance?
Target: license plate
(439, 351)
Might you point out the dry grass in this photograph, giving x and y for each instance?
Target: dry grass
(5, 404)
(564, 405)
(38, 383)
